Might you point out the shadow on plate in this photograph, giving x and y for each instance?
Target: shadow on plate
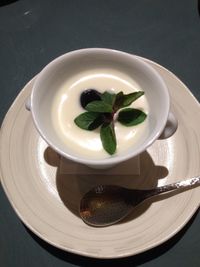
(71, 188)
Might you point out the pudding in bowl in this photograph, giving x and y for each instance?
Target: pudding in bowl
(66, 106)
(55, 103)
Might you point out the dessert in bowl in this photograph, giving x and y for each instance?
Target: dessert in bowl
(55, 104)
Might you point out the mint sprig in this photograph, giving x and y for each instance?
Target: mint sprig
(101, 113)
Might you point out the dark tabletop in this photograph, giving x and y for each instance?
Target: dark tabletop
(33, 32)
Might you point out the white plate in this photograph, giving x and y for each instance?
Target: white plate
(47, 202)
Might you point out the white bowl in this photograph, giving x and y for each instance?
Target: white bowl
(63, 67)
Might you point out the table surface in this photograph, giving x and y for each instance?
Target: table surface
(34, 32)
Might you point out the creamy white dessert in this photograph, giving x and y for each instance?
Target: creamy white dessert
(66, 107)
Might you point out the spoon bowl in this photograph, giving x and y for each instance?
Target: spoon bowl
(105, 205)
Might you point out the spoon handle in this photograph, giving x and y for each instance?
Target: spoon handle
(178, 185)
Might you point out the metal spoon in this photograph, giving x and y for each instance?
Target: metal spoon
(108, 204)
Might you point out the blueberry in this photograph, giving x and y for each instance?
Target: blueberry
(88, 96)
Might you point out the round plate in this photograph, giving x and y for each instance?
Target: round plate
(48, 202)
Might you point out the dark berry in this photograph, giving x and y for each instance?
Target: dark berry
(88, 96)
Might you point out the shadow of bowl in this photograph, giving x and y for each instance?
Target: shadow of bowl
(72, 187)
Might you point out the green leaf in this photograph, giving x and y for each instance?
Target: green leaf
(108, 98)
(131, 116)
(108, 138)
(99, 106)
(130, 98)
(89, 120)
(123, 100)
(118, 101)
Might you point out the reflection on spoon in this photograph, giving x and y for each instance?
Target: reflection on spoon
(108, 204)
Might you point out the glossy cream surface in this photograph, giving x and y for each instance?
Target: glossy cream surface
(66, 107)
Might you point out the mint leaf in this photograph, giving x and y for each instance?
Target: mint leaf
(131, 116)
(108, 138)
(123, 100)
(118, 101)
(108, 98)
(130, 98)
(99, 106)
(89, 120)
